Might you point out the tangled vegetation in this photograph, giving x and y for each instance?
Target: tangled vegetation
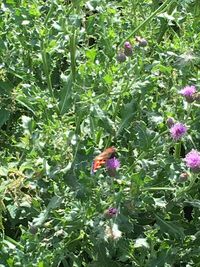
(78, 77)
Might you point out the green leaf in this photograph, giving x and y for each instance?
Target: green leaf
(54, 203)
(128, 114)
(105, 121)
(66, 93)
(28, 124)
(91, 54)
(12, 210)
(4, 116)
(164, 256)
(6, 87)
(143, 134)
(170, 227)
(108, 79)
(3, 171)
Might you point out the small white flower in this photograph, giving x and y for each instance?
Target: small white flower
(112, 232)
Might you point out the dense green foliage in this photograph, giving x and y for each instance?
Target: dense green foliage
(64, 99)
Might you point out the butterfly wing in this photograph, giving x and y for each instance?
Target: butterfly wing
(100, 160)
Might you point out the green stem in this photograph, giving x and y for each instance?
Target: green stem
(158, 188)
(15, 243)
(177, 151)
(51, 9)
(147, 20)
(46, 69)
(188, 111)
(73, 54)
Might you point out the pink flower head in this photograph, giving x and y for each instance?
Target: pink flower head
(128, 51)
(178, 130)
(112, 164)
(192, 160)
(111, 212)
(188, 92)
(127, 45)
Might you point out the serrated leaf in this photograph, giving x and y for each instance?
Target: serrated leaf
(106, 122)
(170, 227)
(127, 115)
(54, 203)
(144, 135)
(164, 256)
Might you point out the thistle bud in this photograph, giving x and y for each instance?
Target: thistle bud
(196, 97)
(141, 41)
(183, 177)
(121, 57)
(170, 122)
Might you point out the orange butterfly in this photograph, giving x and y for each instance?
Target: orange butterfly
(102, 158)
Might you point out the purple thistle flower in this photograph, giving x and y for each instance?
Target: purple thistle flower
(128, 51)
(188, 92)
(112, 211)
(112, 164)
(178, 130)
(192, 160)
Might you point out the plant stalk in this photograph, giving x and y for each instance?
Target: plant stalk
(177, 151)
(46, 69)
